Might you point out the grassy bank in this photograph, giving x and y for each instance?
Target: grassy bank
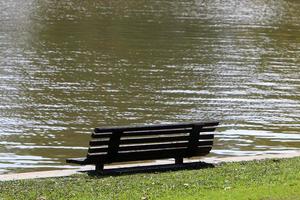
(272, 179)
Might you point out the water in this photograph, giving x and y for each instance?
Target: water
(69, 66)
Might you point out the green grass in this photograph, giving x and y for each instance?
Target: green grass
(265, 180)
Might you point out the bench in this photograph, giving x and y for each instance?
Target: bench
(148, 142)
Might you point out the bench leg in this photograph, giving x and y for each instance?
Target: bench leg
(99, 168)
(178, 161)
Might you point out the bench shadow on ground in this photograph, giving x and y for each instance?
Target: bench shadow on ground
(150, 169)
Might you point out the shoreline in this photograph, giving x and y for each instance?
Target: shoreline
(69, 172)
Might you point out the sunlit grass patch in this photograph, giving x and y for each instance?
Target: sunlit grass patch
(266, 180)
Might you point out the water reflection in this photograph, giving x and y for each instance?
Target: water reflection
(69, 66)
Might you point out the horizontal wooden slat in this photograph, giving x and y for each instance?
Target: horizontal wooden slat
(98, 142)
(206, 137)
(141, 128)
(154, 127)
(153, 146)
(151, 140)
(150, 132)
(144, 133)
(101, 135)
(156, 132)
(98, 149)
(154, 140)
(149, 155)
(207, 129)
(147, 150)
(97, 157)
(205, 143)
(162, 146)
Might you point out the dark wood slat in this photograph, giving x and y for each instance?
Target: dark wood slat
(151, 132)
(205, 143)
(98, 149)
(152, 146)
(101, 135)
(141, 128)
(149, 155)
(162, 146)
(146, 150)
(144, 133)
(206, 137)
(207, 129)
(154, 140)
(98, 142)
(154, 127)
(149, 140)
(156, 132)
(97, 154)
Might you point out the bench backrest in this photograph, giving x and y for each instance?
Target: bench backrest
(134, 143)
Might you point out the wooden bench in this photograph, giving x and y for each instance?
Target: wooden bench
(135, 143)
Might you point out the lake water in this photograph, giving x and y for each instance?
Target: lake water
(69, 66)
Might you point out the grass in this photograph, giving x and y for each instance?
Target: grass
(265, 180)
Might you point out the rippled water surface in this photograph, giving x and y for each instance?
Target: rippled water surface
(69, 66)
